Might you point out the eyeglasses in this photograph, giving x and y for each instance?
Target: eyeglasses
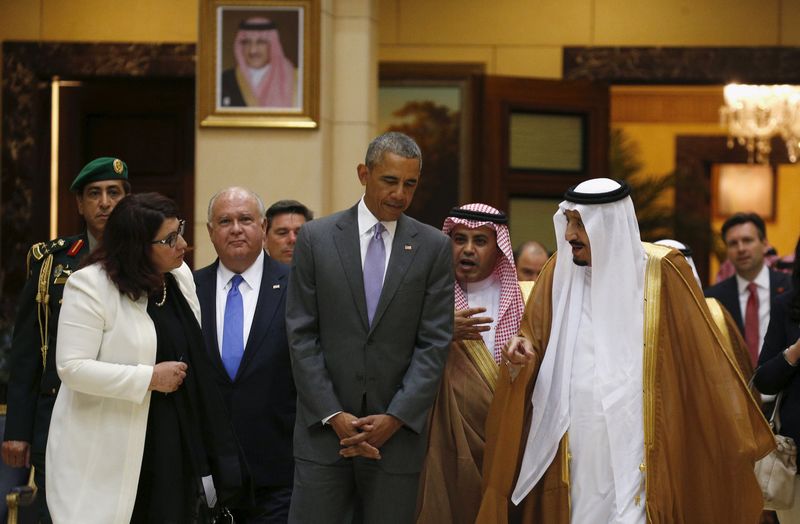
(172, 238)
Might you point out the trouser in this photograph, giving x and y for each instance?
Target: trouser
(352, 491)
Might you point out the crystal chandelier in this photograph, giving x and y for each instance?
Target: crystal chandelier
(753, 114)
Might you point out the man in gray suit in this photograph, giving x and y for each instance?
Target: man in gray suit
(370, 316)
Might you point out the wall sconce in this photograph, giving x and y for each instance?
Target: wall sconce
(743, 187)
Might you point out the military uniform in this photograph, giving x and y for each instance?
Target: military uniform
(34, 383)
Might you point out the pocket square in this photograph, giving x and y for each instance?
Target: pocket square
(276, 286)
(407, 247)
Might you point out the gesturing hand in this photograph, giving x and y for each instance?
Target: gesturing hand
(168, 376)
(468, 327)
(518, 351)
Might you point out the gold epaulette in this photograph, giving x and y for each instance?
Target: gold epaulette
(41, 249)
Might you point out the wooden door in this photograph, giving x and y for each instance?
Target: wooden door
(148, 123)
(538, 138)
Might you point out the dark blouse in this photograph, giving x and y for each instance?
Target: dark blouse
(174, 454)
(774, 374)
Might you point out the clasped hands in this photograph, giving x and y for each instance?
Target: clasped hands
(363, 437)
(168, 376)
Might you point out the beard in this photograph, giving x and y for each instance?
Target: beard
(581, 263)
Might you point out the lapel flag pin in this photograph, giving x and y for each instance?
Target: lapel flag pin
(407, 247)
(276, 286)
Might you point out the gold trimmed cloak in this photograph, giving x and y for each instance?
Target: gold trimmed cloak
(450, 481)
(703, 430)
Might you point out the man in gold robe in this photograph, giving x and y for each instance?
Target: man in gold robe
(620, 403)
(489, 307)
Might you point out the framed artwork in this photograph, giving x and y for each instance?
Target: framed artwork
(433, 103)
(258, 63)
(743, 187)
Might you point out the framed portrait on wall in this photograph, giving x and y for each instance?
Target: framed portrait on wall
(258, 63)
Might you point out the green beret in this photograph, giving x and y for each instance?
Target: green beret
(103, 168)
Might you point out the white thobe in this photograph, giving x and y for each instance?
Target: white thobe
(486, 293)
(592, 489)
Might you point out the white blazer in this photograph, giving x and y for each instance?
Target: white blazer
(105, 357)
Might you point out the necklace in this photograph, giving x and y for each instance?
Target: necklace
(160, 303)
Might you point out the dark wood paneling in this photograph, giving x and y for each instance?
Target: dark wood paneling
(28, 69)
(683, 65)
(694, 159)
(148, 123)
(496, 182)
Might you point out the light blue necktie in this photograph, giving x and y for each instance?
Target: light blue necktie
(233, 329)
(374, 267)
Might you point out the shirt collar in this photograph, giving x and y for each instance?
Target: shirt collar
(366, 221)
(761, 280)
(92, 241)
(251, 275)
(476, 287)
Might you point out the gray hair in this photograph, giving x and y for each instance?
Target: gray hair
(235, 189)
(392, 142)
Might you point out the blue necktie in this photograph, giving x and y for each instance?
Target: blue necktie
(374, 267)
(233, 329)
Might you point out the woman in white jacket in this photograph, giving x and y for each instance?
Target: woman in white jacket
(138, 427)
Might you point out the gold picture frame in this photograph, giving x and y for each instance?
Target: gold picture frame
(258, 63)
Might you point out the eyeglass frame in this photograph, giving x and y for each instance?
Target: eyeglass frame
(171, 240)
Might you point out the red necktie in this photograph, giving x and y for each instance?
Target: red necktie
(751, 323)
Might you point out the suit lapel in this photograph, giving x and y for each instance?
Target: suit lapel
(348, 246)
(404, 249)
(206, 294)
(269, 297)
(736, 310)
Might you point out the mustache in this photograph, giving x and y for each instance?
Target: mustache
(575, 243)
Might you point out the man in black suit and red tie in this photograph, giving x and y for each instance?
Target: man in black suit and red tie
(242, 300)
(747, 294)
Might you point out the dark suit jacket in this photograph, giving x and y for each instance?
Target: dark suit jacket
(728, 294)
(340, 362)
(774, 374)
(262, 398)
(32, 388)
(231, 94)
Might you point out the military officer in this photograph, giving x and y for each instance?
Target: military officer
(34, 383)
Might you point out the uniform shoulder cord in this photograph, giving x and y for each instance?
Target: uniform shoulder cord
(43, 304)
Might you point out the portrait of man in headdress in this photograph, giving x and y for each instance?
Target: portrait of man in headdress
(259, 59)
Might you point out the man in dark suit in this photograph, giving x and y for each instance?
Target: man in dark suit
(242, 300)
(747, 294)
(370, 319)
(33, 384)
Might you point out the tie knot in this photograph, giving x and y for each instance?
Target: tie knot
(235, 281)
(752, 288)
(378, 230)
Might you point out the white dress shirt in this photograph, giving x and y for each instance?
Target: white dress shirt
(249, 289)
(762, 285)
(486, 293)
(257, 74)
